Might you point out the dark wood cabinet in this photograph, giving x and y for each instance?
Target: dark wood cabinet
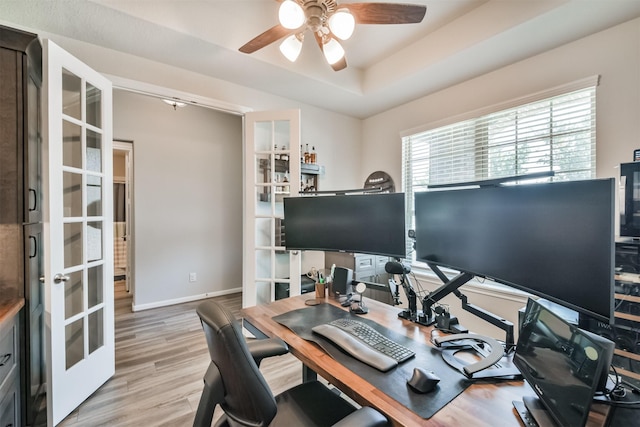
(10, 364)
(20, 198)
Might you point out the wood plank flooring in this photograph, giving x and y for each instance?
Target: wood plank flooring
(161, 357)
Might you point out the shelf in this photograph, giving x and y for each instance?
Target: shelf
(624, 297)
(311, 169)
(626, 373)
(626, 316)
(627, 277)
(627, 354)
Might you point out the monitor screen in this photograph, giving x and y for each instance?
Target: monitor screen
(563, 364)
(362, 223)
(554, 240)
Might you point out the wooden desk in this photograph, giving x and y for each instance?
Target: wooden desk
(478, 405)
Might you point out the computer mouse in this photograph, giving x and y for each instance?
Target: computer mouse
(423, 381)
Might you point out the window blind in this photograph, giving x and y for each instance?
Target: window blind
(552, 134)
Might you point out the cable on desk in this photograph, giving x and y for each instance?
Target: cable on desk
(612, 397)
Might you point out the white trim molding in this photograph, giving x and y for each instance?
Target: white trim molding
(161, 92)
(548, 93)
(190, 298)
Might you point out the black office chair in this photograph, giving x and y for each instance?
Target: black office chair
(234, 381)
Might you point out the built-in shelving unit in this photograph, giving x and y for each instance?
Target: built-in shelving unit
(627, 326)
(625, 331)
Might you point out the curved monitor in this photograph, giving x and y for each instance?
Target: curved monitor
(554, 240)
(363, 223)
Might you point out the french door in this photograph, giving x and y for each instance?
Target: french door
(78, 235)
(272, 172)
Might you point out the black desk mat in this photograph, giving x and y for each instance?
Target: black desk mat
(394, 382)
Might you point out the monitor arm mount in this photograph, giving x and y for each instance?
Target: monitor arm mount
(438, 315)
(451, 286)
(426, 315)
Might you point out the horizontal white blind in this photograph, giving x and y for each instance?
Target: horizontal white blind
(554, 134)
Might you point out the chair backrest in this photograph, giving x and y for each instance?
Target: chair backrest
(248, 399)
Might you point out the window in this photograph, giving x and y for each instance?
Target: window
(553, 133)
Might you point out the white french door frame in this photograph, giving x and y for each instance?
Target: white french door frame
(78, 262)
(265, 261)
(127, 148)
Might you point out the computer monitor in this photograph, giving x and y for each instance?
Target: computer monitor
(361, 223)
(562, 363)
(553, 240)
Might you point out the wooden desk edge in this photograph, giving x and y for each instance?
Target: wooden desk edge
(356, 387)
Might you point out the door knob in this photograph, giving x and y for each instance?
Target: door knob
(58, 278)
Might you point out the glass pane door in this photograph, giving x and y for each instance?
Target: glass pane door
(272, 140)
(78, 245)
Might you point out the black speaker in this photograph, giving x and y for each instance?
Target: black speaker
(342, 278)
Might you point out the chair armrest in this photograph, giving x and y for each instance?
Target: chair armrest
(267, 347)
(363, 417)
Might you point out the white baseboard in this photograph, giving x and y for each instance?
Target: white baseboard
(140, 307)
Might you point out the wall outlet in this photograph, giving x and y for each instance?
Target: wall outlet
(192, 277)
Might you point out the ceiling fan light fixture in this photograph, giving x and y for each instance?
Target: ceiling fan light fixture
(342, 23)
(175, 104)
(291, 47)
(291, 15)
(333, 51)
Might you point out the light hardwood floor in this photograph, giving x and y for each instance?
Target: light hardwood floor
(161, 357)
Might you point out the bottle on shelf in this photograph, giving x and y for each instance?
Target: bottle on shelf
(284, 156)
(313, 157)
(276, 154)
(307, 155)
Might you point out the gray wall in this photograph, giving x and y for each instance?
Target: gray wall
(187, 191)
(167, 154)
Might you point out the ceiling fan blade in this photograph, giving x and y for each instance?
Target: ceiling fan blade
(386, 13)
(341, 64)
(271, 35)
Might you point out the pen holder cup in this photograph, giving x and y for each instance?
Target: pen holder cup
(320, 290)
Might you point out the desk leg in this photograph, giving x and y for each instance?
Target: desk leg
(308, 374)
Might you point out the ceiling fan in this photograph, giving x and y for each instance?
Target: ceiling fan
(328, 22)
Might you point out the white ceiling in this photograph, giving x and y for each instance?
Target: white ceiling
(387, 64)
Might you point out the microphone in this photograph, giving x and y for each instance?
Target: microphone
(394, 267)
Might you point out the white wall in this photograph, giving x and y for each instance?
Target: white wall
(613, 54)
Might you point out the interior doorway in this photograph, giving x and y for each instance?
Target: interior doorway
(122, 209)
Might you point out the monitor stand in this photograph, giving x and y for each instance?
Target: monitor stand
(533, 413)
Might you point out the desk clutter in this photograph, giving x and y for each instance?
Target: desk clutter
(394, 381)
